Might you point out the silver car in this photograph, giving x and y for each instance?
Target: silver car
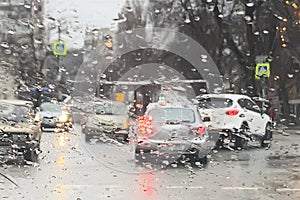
(172, 131)
(107, 119)
(20, 136)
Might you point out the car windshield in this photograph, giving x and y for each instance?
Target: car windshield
(51, 107)
(84, 54)
(14, 113)
(165, 115)
(214, 103)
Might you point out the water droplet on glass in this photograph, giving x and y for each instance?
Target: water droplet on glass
(38, 41)
(7, 51)
(27, 6)
(156, 11)
(197, 18)
(187, 20)
(11, 32)
(40, 25)
(121, 45)
(247, 18)
(108, 57)
(128, 31)
(129, 9)
(24, 46)
(4, 44)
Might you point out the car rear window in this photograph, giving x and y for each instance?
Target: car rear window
(109, 109)
(173, 114)
(215, 102)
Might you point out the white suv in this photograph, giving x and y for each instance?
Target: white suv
(237, 116)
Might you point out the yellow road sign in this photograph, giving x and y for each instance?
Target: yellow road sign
(262, 70)
(120, 97)
(59, 48)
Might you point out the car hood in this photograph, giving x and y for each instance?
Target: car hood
(17, 128)
(49, 114)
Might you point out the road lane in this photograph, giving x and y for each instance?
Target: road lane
(70, 168)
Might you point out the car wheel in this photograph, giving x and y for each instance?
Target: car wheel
(197, 159)
(266, 139)
(31, 155)
(239, 142)
(244, 128)
(202, 160)
(138, 154)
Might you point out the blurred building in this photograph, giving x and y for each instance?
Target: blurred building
(22, 34)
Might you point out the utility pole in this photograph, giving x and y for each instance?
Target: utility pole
(59, 49)
(59, 76)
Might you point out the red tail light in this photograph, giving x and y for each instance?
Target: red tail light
(199, 130)
(232, 112)
(145, 125)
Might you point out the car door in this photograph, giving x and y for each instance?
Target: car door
(254, 117)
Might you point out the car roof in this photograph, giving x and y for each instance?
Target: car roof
(224, 95)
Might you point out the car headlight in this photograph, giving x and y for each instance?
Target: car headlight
(63, 118)
(125, 125)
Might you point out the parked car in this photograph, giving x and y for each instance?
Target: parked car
(19, 134)
(238, 117)
(54, 116)
(107, 119)
(174, 131)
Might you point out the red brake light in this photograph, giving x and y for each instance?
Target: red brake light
(201, 130)
(145, 125)
(232, 112)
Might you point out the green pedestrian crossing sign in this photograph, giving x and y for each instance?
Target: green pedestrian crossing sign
(59, 48)
(262, 70)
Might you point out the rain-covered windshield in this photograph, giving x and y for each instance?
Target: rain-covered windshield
(92, 55)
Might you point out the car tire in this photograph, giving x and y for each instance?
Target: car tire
(138, 155)
(267, 137)
(239, 142)
(31, 155)
(202, 160)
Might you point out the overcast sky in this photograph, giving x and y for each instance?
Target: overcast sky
(82, 13)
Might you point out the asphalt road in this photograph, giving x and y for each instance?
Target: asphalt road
(69, 168)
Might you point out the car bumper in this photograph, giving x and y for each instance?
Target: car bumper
(203, 146)
(100, 131)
